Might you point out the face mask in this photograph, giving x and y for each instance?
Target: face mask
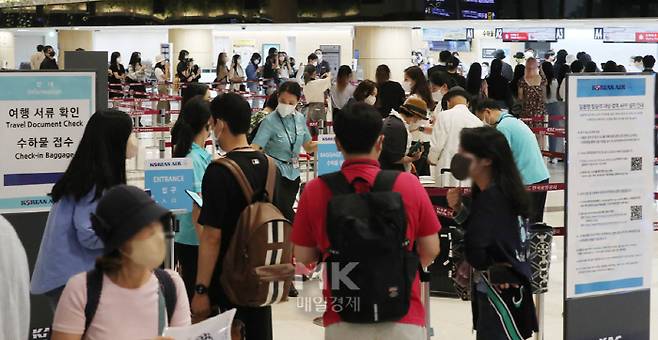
(118, 60)
(285, 109)
(406, 86)
(257, 61)
(414, 126)
(459, 166)
(437, 96)
(319, 56)
(315, 63)
(150, 252)
(370, 100)
(52, 54)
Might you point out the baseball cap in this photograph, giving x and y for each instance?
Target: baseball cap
(122, 212)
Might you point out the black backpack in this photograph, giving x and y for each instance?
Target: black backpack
(369, 246)
(95, 287)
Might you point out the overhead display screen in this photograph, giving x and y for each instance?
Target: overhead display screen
(461, 9)
(533, 34)
(446, 9)
(627, 34)
(24, 3)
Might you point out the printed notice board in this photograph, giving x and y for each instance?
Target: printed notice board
(329, 158)
(43, 118)
(167, 179)
(610, 184)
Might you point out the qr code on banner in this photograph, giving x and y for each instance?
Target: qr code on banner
(636, 212)
(636, 163)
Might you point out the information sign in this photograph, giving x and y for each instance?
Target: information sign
(167, 179)
(44, 115)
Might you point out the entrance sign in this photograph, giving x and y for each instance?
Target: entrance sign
(610, 184)
(329, 158)
(167, 179)
(43, 116)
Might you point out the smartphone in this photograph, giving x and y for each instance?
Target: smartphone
(195, 197)
(414, 148)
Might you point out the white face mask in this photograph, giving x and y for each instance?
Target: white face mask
(118, 60)
(150, 252)
(319, 56)
(406, 85)
(370, 100)
(437, 96)
(285, 109)
(315, 63)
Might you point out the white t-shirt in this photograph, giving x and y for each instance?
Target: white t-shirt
(314, 90)
(127, 314)
(14, 285)
(159, 75)
(340, 98)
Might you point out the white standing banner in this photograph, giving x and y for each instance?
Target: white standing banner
(610, 183)
(43, 116)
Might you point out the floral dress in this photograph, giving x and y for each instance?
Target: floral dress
(533, 100)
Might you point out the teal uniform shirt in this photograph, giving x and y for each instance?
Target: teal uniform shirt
(525, 149)
(282, 139)
(200, 160)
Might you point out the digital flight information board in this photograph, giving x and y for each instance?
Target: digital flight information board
(461, 9)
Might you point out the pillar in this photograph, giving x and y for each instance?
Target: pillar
(199, 42)
(70, 40)
(7, 59)
(383, 45)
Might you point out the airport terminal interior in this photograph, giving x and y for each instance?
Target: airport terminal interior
(526, 130)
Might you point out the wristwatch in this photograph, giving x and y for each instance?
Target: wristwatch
(201, 289)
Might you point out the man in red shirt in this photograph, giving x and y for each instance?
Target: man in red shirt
(358, 136)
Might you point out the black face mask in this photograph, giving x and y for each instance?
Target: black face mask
(52, 54)
(459, 166)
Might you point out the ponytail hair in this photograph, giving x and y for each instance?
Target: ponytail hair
(192, 120)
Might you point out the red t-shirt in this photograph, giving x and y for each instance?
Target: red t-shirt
(309, 229)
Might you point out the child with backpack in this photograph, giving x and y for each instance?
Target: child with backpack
(378, 227)
(126, 296)
(245, 254)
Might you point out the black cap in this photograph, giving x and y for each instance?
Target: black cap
(456, 91)
(499, 54)
(519, 55)
(122, 212)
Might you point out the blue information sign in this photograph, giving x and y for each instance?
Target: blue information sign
(329, 158)
(167, 179)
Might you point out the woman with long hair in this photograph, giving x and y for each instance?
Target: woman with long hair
(194, 126)
(222, 71)
(236, 74)
(342, 90)
(285, 70)
(137, 75)
(253, 72)
(498, 87)
(69, 245)
(416, 83)
(553, 106)
(116, 76)
(519, 72)
(127, 295)
(496, 236)
(532, 95)
(475, 85)
(161, 72)
(415, 80)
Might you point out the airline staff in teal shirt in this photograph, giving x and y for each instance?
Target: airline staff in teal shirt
(525, 148)
(191, 131)
(281, 136)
